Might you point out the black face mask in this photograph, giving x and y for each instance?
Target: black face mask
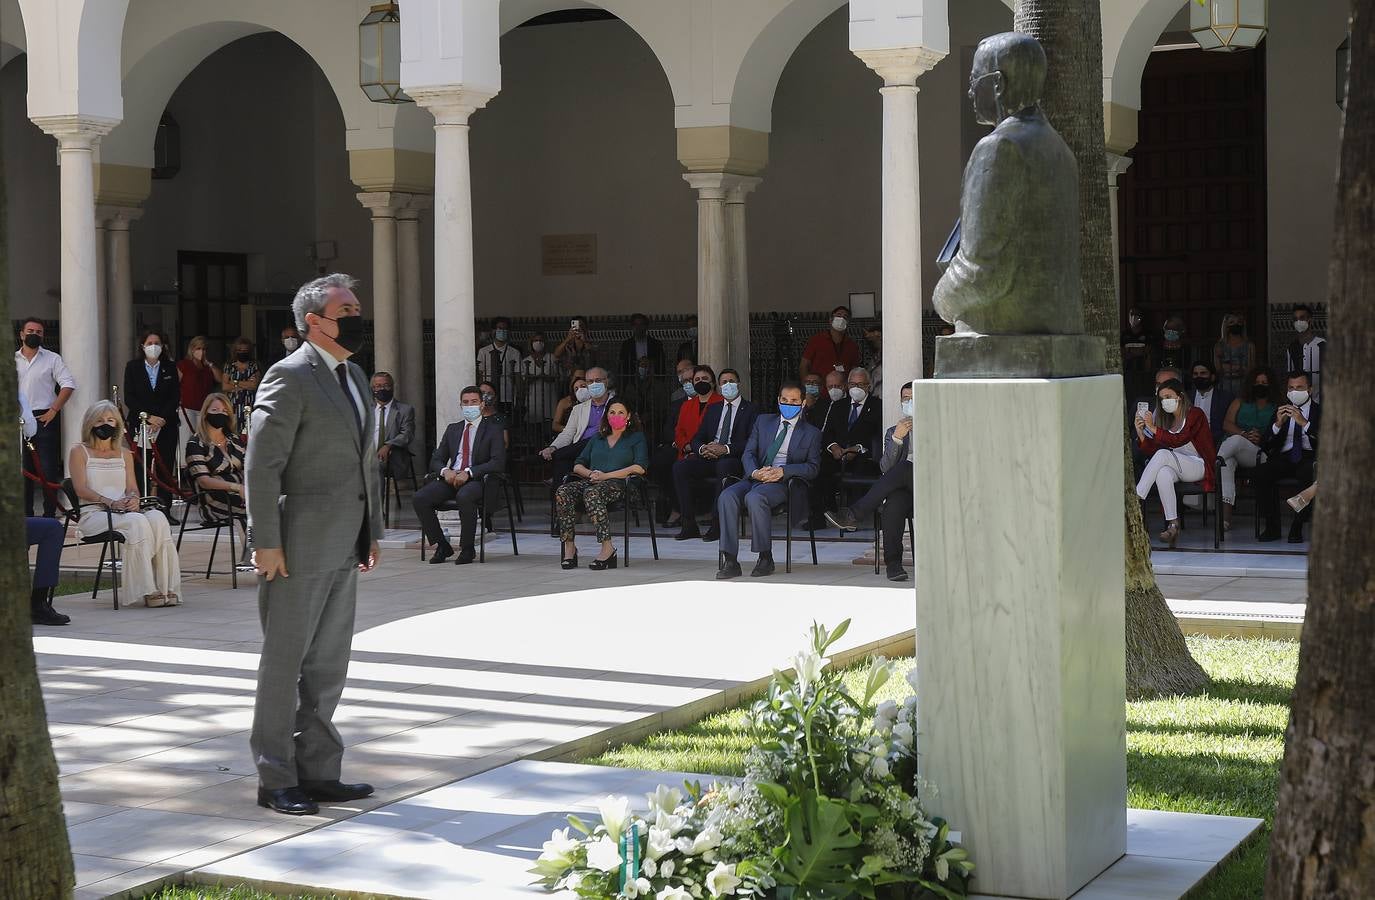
(702, 387)
(217, 420)
(33, 341)
(1260, 392)
(1203, 384)
(383, 396)
(104, 431)
(489, 399)
(350, 335)
(1235, 329)
(243, 355)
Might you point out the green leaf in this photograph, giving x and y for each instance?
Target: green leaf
(774, 793)
(835, 635)
(823, 850)
(579, 825)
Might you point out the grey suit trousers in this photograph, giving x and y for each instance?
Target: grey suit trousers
(307, 623)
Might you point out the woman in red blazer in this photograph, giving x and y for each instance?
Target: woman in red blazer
(1183, 444)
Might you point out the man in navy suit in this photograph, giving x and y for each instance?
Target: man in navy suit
(714, 452)
(1291, 449)
(780, 447)
(469, 451)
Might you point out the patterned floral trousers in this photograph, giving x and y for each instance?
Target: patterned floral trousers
(595, 497)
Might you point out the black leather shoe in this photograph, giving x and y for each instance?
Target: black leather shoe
(763, 567)
(465, 556)
(897, 574)
(729, 569)
(45, 615)
(843, 519)
(292, 801)
(687, 534)
(599, 565)
(569, 562)
(335, 791)
(713, 535)
(441, 553)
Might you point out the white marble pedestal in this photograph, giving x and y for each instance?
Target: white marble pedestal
(1020, 625)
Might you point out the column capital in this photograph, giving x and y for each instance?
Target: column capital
(900, 66)
(382, 204)
(117, 218)
(721, 185)
(76, 132)
(1116, 164)
(451, 105)
(414, 206)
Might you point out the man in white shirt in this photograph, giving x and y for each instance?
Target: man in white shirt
(498, 362)
(46, 384)
(542, 376)
(1305, 353)
(1291, 450)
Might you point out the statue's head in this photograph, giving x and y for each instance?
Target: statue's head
(1008, 75)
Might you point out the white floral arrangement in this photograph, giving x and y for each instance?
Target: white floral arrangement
(830, 807)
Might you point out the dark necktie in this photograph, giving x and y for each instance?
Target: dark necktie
(465, 456)
(382, 427)
(725, 425)
(777, 444)
(342, 371)
(854, 413)
(1296, 448)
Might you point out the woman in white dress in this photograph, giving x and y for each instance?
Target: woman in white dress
(102, 472)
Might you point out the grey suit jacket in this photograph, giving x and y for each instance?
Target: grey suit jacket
(312, 482)
(400, 425)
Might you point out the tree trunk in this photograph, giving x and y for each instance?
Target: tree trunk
(1071, 31)
(35, 858)
(1324, 839)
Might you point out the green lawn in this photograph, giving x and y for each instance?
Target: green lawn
(1218, 753)
(71, 584)
(238, 892)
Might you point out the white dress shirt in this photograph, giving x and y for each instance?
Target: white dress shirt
(383, 409)
(1304, 442)
(781, 457)
(358, 402)
(470, 429)
(734, 407)
(1204, 401)
(40, 378)
(1312, 363)
(26, 419)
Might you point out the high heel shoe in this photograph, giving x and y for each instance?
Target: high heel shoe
(569, 562)
(1297, 502)
(1171, 534)
(601, 564)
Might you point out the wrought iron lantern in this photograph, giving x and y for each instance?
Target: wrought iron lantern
(1228, 24)
(379, 54)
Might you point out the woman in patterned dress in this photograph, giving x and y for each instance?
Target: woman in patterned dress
(241, 377)
(215, 465)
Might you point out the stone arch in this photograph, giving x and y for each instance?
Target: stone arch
(756, 79)
(13, 42)
(1129, 34)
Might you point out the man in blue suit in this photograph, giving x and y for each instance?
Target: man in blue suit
(780, 447)
(714, 452)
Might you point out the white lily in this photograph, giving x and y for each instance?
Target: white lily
(664, 798)
(650, 868)
(879, 767)
(722, 880)
(808, 664)
(708, 839)
(888, 709)
(559, 845)
(666, 870)
(604, 855)
(902, 733)
(660, 842)
(673, 893)
(615, 811)
(669, 822)
(637, 887)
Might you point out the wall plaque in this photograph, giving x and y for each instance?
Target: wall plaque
(568, 254)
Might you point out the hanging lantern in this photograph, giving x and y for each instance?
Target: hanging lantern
(1228, 24)
(379, 55)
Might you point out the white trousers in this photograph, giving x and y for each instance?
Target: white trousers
(1166, 468)
(1239, 453)
(151, 564)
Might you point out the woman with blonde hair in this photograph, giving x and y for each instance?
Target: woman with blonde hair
(1182, 442)
(215, 465)
(1234, 354)
(199, 376)
(102, 472)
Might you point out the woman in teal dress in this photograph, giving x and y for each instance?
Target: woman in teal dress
(1248, 422)
(618, 451)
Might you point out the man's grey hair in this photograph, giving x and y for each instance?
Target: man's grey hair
(861, 370)
(605, 374)
(313, 295)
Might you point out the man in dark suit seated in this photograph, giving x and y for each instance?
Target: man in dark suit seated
(1290, 449)
(714, 452)
(853, 430)
(1210, 398)
(781, 445)
(470, 450)
(395, 427)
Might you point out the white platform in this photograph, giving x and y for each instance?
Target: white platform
(474, 840)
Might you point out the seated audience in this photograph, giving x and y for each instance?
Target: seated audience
(1146, 404)
(685, 424)
(1305, 352)
(811, 392)
(469, 451)
(618, 451)
(215, 466)
(102, 472)
(1290, 450)
(640, 346)
(395, 427)
(583, 423)
(577, 393)
(1247, 424)
(819, 414)
(895, 487)
(1210, 399)
(1182, 450)
(713, 453)
(781, 446)
(830, 350)
(49, 535)
(850, 441)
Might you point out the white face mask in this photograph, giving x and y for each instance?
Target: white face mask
(152, 351)
(1169, 404)
(1298, 398)
(537, 346)
(582, 395)
(1300, 325)
(835, 394)
(839, 323)
(858, 394)
(906, 407)
(290, 344)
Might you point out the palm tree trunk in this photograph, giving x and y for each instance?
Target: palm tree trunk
(1071, 31)
(35, 858)
(1324, 839)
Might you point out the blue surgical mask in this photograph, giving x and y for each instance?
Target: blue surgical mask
(906, 407)
(687, 387)
(1171, 335)
(500, 334)
(596, 389)
(813, 390)
(472, 413)
(730, 390)
(789, 411)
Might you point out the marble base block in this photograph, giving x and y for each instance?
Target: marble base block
(1018, 355)
(1020, 625)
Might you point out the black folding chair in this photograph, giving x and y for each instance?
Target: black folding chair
(792, 483)
(636, 497)
(1184, 489)
(216, 525)
(391, 483)
(484, 512)
(110, 540)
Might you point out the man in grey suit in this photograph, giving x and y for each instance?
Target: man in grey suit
(471, 450)
(395, 427)
(781, 446)
(314, 508)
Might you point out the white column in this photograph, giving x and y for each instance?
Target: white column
(454, 332)
(1117, 164)
(386, 337)
(411, 386)
(120, 325)
(901, 289)
(738, 294)
(713, 267)
(80, 312)
(102, 296)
